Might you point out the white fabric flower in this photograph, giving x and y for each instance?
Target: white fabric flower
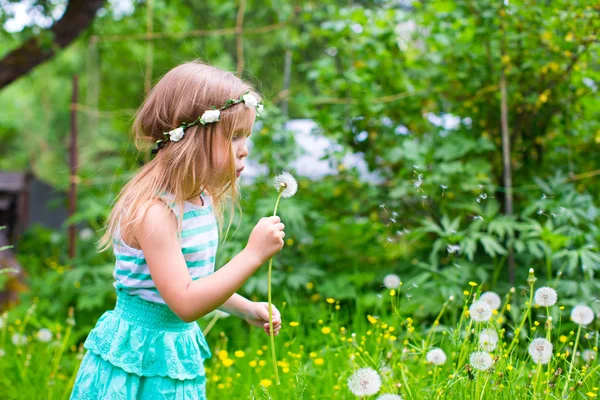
(582, 315)
(492, 299)
(249, 100)
(176, 134)
(18, 339)
(389, 396)
(286, 184)
(480, 311)
(436, 356)
(481, 360)
(588, 355)
(391, 281)
(540, 351)
(210, 116)
(488, 339)
(44, 335)
(545, 297)
(364, 382)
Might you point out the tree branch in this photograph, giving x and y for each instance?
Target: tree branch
(77, 17)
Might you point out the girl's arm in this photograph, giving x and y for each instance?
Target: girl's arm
(237, 305)
(190, 300)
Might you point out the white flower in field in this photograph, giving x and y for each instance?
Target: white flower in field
(176, 134)
(545, 297)
(436, 356)
(2, 353)
(18, 339)
(453, 248)
(209, 117)
(540, 351)
(364, 382)
(492, 299)
(391, 281)
(86, 234)
(480, 311)
(488, 339)
(481, 360)
(44, 335)
(582, 315)
(589, 355)
(388, 396)
(286, 184)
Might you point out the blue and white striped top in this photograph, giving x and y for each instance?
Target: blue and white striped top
(199, 240)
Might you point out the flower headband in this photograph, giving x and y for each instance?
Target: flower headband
(209, 116)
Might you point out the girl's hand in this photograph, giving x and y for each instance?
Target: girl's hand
(258, 315)
(266, 238)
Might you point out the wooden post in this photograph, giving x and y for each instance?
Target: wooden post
(73, 162)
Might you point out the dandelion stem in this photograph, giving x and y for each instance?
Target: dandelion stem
(211, 324)
(572, 360)
(271, 332)
(525, 315)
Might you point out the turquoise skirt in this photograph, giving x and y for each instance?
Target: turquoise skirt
(142, 350)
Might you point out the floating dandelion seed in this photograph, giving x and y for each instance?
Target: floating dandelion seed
(483, 196)
(399, 233)
(285, 184)
(479, 217)
(394, 214)
(436, 356)
(382, 206)
(388, 396)
(588, 355)
(480, 311)
(481, 360)
(364, 382)
(540, 351)
(492, 299)
(488, 339)
(424, 198)
(453, 248)
(392, 221)
(391, 281)
(481, 187)
(444, 187)
(545, 296)
(582, 315)
(457, 266)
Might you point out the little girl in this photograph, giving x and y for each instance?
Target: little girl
(163, 231)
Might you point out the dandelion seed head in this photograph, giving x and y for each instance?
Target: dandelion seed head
(481, 360)
(436, 356)
(18, 339)
(480, 311)
(545, 296)
(364, 382)
(286, 184)
(388, 396)
(589, 355)
(391, 281)
(488, 339)
(44, 335)
(582, 315)
(540, 351)
(492, 299)
(444, 186)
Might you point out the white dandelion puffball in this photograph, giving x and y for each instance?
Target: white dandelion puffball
(436, 356)
(488, 339)
(44, 335)
(388, 396)
(2, 353)
(364, 382)
(210, 116)
(391, 281)
(540, 351)
(481, 360)
(286, 184)
(492, 299)
(582, 315)
(480, 311)
(176, 134)
(86, 234)
(249, 100)
(18, 339)
(589, 355)
(545, 296)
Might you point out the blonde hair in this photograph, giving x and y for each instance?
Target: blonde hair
(185, 168)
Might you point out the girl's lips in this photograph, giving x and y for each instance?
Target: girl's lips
(239, 171)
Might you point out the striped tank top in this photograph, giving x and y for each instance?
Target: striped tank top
(199, 240)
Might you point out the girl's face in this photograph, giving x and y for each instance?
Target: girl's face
(238, 148)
